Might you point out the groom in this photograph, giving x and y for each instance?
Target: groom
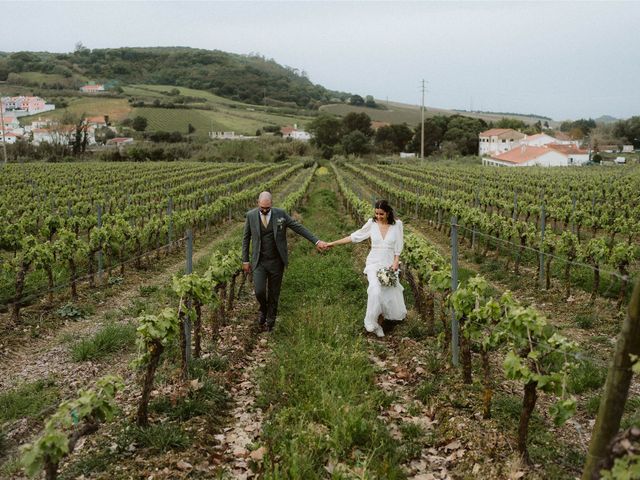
(266, 229)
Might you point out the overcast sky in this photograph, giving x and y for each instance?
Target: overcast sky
(559, 59)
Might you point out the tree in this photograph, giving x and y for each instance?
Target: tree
(370, 102)
(629, 130)
(434, 130)
(355, 143)
(464, 132)
(139, 123)
(325, 130)
(513, 123)
(393, 138)
(356, 100)
(449, 149)
(356, 121)
(103, 134)
(585, 125)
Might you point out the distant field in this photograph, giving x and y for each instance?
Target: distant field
(410, 114)
(117, 109)
(217, 113)
(156, 91)
(177, 119)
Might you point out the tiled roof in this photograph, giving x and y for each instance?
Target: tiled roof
(494, 132)
(522, 154)
(567, 149)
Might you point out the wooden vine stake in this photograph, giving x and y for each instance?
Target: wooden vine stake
(616, 390)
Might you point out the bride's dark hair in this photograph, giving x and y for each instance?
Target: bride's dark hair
(384, 205)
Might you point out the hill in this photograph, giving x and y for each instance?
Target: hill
(410, 114)
(606, 119)
(247, 78)
(170, 108)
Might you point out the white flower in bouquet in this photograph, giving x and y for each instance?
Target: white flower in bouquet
(388, 277)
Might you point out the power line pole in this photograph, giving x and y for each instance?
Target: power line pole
(422, 124)
(4, 141)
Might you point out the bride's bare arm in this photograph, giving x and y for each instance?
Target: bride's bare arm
(342, 241)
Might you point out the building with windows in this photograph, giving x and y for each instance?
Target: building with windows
(498, 140)
(552, 155)
(21, 106)
(295, 133)
(92, 88)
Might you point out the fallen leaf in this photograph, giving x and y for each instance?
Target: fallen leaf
(453, 445)
(258, 455)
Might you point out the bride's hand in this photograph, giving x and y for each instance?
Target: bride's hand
(395, 266)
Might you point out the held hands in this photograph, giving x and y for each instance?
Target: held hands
(323, 246)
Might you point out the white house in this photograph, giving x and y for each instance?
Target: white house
(542, 139)
(21, 106)
(526, 156)
(120, 141)
(8, 137)
(223, 135)
(92, 88)
(498, 140)
(294, 133)
(10, 121)
(575, 155)
(59, 135)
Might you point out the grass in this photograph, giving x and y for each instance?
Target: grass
(320, 383)
(592, 405)
(427, 389)
(560, 461)
(401, 113)
(209, 400)
(110, 339)
(11, 468)
(587, 376)
(631, 413)
(586, 321)
(28, 400)
(200, 367)
(116, 108)
(162, 437)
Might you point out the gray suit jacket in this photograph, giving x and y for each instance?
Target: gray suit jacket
(280, 221)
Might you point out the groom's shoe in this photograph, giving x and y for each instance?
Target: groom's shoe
(262, 320)
(270, 323)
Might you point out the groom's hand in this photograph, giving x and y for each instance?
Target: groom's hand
(322, 246)
(246, 267)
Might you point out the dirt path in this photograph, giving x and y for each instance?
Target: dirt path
(237, 457)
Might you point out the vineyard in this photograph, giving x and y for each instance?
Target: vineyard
(518, 284)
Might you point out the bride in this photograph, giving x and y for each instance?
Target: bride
(385, 232)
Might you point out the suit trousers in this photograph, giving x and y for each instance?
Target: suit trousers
(267, 280)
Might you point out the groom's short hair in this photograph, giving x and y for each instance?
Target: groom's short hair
(265, 196)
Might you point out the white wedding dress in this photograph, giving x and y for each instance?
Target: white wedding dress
(387, 301)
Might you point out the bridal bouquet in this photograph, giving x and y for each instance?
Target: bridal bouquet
(388, 277)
